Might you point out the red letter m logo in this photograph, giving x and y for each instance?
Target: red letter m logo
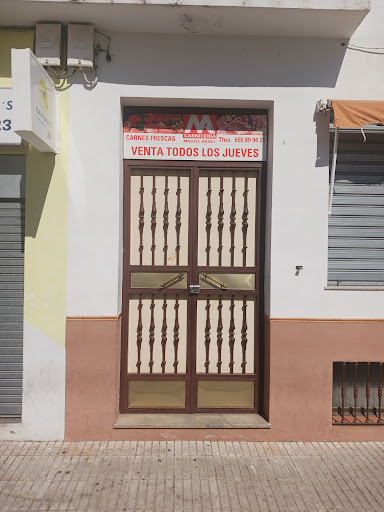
(199, 126)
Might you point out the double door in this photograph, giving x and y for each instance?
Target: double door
(190, 336)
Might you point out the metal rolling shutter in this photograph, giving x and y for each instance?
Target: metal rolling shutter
(11, 284)
(356, 226)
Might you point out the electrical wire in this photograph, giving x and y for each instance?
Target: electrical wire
(371, 52)
(53, 74)
(91, 83)
(102, 33)
(365, 49)
(99, 49)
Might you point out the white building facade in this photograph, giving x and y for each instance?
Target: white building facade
(262, 58)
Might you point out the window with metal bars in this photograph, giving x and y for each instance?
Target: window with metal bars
(357, 393)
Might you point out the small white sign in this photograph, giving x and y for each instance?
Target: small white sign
(36, 102)
(7, 134)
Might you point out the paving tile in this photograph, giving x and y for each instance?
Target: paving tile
(287, 495)
(160, 496)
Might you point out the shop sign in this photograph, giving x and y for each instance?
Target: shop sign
(7, 135)
(36, 102)
(216, 137)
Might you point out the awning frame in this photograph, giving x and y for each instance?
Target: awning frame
(369, 111)
(333, 170)
(325, 106)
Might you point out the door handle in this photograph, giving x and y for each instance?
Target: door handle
(222, 285)
(172, 280)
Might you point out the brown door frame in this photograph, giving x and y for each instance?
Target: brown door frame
(192, 270)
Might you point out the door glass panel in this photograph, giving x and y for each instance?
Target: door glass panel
(225, 334)
(225, 393)
(228, 207)
(159, 217)
(159, 280)
(157, 335)
(216, 281)
(156, 393)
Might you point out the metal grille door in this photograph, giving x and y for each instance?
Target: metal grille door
(191, 280)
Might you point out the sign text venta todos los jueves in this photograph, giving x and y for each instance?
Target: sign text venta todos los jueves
(180, 136)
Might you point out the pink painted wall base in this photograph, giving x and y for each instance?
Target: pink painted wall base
(299, 356)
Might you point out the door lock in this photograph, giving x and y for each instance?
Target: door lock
(194, 289)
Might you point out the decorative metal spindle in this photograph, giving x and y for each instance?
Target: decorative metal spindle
(220, 218)
(245, 219)
(219, 335)
(208, 217)
(176, 334)
(343, 393)
(139, 339)
(244, 339)
(153, 217)
(164, 335)
(232, 223)
(166, 219)
(380, 390)
(367, 393)
(178, 219)
(141, 217)
(355, 391)
(231, 335)
(151, 335)
(207, 334)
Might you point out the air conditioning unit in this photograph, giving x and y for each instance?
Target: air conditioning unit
(80, 52)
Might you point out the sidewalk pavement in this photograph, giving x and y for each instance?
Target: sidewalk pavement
(191, 476)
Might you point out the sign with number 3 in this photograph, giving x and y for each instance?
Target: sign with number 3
(7, 135)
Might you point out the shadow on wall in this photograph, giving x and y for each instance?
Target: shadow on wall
(38, 178)
(158, 60)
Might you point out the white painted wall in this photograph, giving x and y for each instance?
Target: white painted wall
(287, 76)
(43, 390)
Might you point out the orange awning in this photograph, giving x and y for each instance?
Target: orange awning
(357, 113)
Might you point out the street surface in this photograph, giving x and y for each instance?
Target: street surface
(191, 476)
